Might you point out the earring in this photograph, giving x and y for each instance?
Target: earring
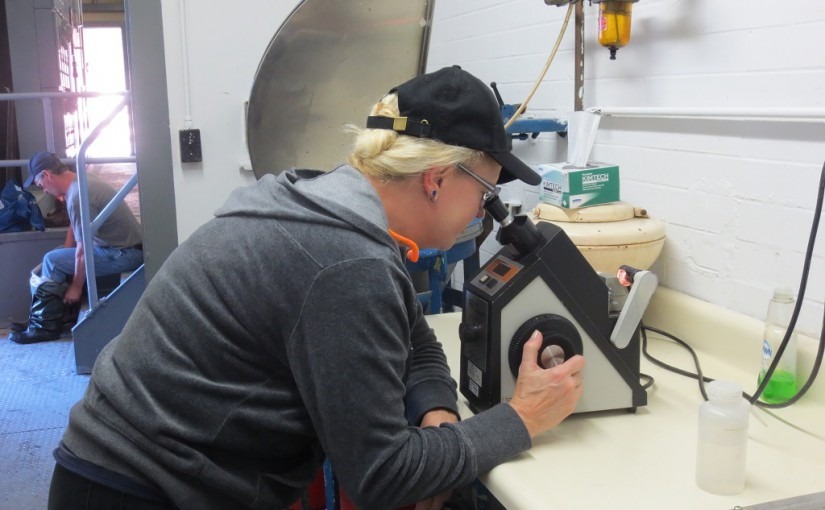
(433, 196)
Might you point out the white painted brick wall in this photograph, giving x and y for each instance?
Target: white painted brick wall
(737, 197)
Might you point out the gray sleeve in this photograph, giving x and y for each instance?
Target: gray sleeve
(429, 383)
(349, 354)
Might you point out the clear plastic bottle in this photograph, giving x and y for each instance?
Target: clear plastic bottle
(723, 437)
(782, 385)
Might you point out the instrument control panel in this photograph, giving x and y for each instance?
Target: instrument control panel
(496, 274)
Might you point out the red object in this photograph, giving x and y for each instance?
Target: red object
(317, 497)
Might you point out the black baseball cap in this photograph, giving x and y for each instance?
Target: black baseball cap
(39, 162)
(454, 107)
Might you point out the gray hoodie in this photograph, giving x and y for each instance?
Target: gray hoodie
(281, 332)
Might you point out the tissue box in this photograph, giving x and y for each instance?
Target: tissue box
(571, 187)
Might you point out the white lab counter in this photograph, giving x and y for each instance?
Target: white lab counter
(646, 460)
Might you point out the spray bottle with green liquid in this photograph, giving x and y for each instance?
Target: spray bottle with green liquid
(782, 385)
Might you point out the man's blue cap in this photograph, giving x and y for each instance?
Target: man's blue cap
(39, 162)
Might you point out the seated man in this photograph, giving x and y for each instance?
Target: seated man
(118, 248)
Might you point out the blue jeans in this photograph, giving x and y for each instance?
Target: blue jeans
(58, 264)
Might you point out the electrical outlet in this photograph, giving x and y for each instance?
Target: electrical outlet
(190, 145)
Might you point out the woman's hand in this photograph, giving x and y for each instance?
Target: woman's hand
(436, 417)
(435, 502)
(545, 397)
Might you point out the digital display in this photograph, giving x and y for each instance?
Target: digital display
(501, 269)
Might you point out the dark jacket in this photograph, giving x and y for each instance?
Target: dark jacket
(284, 330)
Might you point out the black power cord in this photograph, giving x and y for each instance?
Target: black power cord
(702, 379)
(649, 380)
(754, 400)
(698, 375)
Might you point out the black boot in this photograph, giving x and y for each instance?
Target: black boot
(69, 319)
(46, 317)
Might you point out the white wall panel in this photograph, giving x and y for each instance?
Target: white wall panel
(225, 42)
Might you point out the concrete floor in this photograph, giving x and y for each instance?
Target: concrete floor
(38, 386)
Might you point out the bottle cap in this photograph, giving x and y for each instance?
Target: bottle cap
(724, 390)
(783, 294)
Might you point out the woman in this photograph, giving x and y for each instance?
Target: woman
(287, 330)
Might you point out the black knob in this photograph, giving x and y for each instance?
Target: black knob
(469, 332)
(560, 341)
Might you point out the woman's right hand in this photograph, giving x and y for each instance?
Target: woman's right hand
(545, 397)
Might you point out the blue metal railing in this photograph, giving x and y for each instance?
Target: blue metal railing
(87, 226)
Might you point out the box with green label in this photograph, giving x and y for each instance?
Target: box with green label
(572, 187)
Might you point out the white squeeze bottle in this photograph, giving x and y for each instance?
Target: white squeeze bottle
(723, 437)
